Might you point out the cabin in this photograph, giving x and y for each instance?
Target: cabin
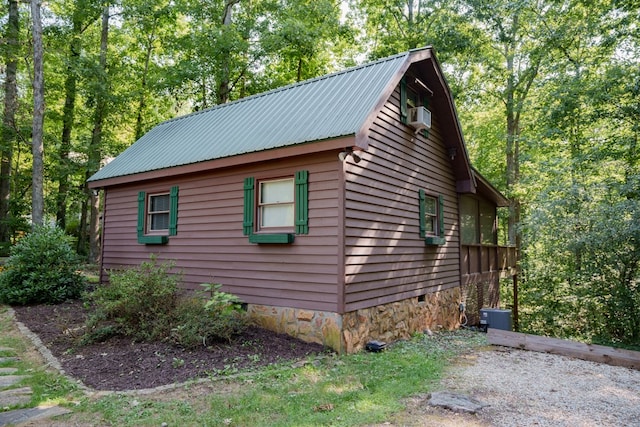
(341, 209)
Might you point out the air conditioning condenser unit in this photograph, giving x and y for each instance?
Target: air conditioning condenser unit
(419, 118)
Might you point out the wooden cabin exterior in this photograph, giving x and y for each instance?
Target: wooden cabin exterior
(338, 222)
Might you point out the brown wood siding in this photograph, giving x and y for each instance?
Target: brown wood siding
(210, 245)
(386, 260)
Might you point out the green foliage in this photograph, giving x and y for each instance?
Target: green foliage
(582, 263)
(200, 322)
(141, 301)
(42, 268)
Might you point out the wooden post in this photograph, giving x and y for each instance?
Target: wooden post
(514, 312)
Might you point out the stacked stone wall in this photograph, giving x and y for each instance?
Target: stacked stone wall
(350, 332)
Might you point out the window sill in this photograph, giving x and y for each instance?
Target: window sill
(280, 238)
(153, 240)
(434, 240)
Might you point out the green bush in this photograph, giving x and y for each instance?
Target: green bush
(42, 268)
(140, 301)
(200, 321)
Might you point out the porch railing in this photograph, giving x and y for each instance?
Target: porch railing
(482, 263)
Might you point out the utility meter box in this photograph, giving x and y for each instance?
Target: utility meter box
(495, 318)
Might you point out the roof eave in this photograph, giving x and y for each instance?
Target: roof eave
(237, 160)
(488, 190)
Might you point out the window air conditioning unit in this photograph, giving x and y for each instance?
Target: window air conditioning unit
(419, 118)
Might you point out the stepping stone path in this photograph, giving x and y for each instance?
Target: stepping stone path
(10, 395)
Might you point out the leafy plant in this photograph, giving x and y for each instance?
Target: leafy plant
(42, 268)
(200, 321)
(141, 300)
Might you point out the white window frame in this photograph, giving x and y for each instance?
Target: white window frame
(151, 214)
(263, 207)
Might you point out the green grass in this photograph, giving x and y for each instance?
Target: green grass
(48, 387)
(351, 390)
(329, 390)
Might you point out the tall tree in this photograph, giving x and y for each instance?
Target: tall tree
(91, 202)
(84, 13)
(9, 128)
(37, 134)
(223, 83)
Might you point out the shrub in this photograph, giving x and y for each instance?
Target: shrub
(42, 268)
(199, 321)
(141, 300)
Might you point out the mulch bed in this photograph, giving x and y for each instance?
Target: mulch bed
(122, 364)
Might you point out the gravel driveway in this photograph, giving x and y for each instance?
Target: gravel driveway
(525, 388)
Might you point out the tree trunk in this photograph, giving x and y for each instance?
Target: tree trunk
(143, 100)
(37, 190)
(68, 113)
(9, 129)
(94, 148)
(223, 85)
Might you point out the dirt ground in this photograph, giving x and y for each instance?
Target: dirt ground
(121, 364)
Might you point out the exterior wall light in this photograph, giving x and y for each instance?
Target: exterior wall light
(348, 151)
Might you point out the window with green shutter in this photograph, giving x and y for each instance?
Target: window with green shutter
(275, 210)
(157, 217)
(431, 211)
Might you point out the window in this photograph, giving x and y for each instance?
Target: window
(430, 215)
(158, 214)
(477, 221)
(279, 211)
(157, 217)
(431, 218)
(276, 204)
(412, 94)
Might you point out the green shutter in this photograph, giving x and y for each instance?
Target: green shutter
(302, 202)
(173, 211)
(403, 100)
(441, 215)
(141, 200)
(249, 200)
(422, 209)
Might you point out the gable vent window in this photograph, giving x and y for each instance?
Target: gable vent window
(414, 102)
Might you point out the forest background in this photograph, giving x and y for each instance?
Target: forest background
(548, 94)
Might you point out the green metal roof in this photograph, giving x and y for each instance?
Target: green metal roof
(323, 108)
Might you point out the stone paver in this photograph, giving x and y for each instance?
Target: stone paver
(9, 380)
(30, 414)
(15, 396)
(21, 396)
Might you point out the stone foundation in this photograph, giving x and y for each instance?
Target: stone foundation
(321, 327)
(350, 332)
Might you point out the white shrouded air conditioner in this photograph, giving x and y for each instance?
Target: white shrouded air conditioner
(419, 118)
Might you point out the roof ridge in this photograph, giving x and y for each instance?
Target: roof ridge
(290, 86)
